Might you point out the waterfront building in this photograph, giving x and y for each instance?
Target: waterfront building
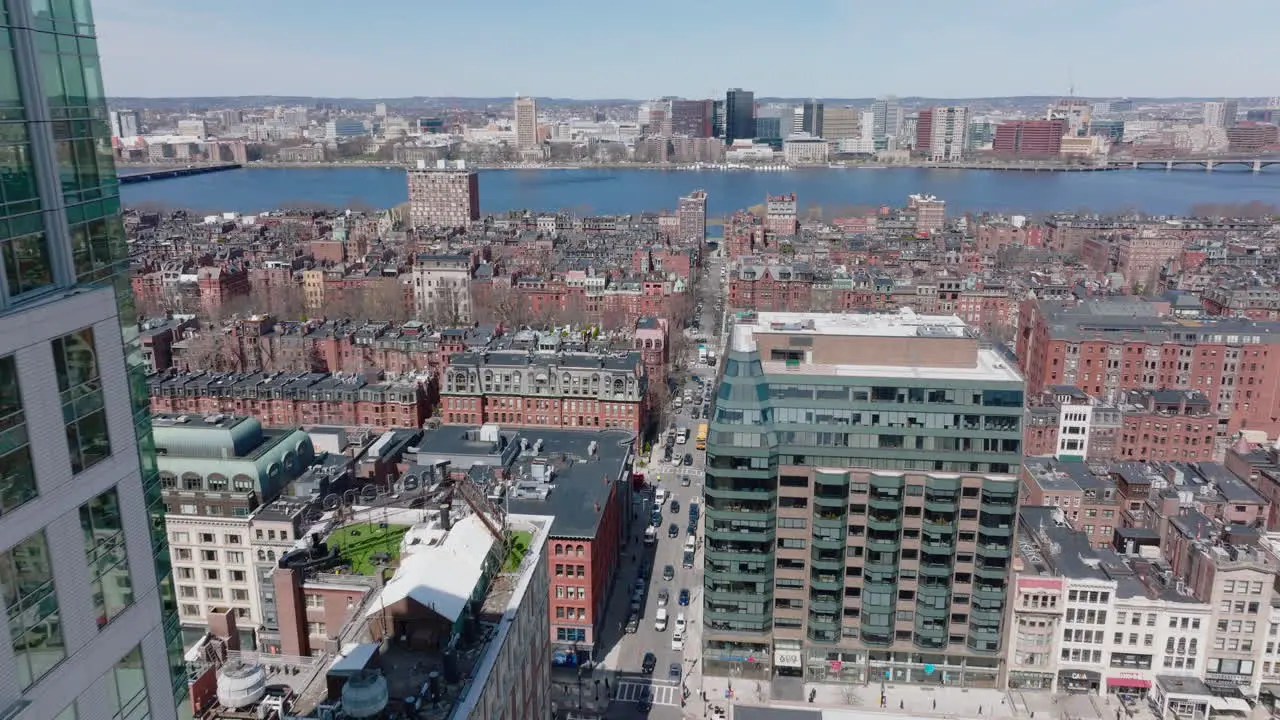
(886, 121)
(84, 562)
(1221, 114)
(860, 500)
(124, 123)
(691, 118)
(805, 149)
(739, 115)
(840, 123)
(942, 133)
(1030, 138)
(443, 196)
(811, 118)
(526, 123)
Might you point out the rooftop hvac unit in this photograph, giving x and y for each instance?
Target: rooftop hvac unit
(241, 685)
(365, 695)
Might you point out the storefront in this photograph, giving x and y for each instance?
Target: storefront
(832, 666)
(732, 664)
(1025, 680)
(1128, 685)
(788, 662)
(1079, 681)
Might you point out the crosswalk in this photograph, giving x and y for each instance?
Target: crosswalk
(658, 692)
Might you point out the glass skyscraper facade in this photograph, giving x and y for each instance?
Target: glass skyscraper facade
(84, 563)
(860, 500)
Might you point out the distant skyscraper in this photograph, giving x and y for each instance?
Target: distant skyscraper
(812, 122)
(691, 118)
(447, 195)
(380, 110)
(124, 123)
(88, 592)
(840, 123)
(1221, 114)
(888, 120)
(948, 136)
(717, 119)
(739, 115)
(769, 127)
(526, 123)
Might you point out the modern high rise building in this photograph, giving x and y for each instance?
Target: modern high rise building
(447, 195)
(526, 123)
(124, 123)
(691, 118)
(812, 118)
(739, 115)
(840, 123)
(717, 119)
(84, 560)
(861, 495)
(948, 132)
(1221, 114)
(887, 114)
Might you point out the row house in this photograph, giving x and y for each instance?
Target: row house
(540, 389)
(293, 399)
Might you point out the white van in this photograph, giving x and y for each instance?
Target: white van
(660, 620)
(677, 641)
(690, 545)
(660, 498)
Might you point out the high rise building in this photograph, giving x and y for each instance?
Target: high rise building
(717, 119)
(124, 123)
(887, 115)
(861, 494)
(812, 122)
(691, 118)
(948, 133)
(739, 115)
(1029, 138)
(84, 559)
(1221, 114)
(840, 123)
(526, 123)
(447, 195)
(692, 212)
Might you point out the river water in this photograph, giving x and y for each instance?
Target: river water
(608, 191)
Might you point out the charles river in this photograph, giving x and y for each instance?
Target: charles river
(610, 191)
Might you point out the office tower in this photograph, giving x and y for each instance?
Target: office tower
(692, 213)
(1072, 111)
(739, 115)
(861, 493)
(380, 110)
(1221, 114)
(691, 118)
(526, 123)
(840, 123)
(124, 123)
(84, 561)
(445, 196)
(887, 114)
(812, 123)
(797, 120)
(718, 120)
(1029, 138)
(924, 131)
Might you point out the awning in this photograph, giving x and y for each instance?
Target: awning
(1129, 683)
(1229, 704)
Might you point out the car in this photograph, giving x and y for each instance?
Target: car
(677, 642)
(675, 506)
(680, 623)
(633, 623)
(674, 671)
(645, 703)
(664, 596)
(656, 519)
(649, 663)
(683, 598)
(687, 561)
(685, 480)
(673, 530)
(693, 527)
(667, 455)
(668, 572)
(688, 459)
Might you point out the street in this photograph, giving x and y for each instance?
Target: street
(669, 688)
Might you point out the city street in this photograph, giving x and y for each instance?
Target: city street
(634, 693)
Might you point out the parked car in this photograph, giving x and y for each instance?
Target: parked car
(672, 530)
(683, 597)
(688, 459)
(664, 596)
(649, 663)
(675, 506)
(633, 623)
(668, 572)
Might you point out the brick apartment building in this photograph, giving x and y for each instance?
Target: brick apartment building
(1106, 346)
(293, 399)
(1029, 138)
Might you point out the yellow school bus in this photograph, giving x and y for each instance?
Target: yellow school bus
(702, 437)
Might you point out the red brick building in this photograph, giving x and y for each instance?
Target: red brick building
(1029, 138)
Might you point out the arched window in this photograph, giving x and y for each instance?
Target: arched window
(271, 555)
(581, 550)
(262, 555)
(192, 481)
(242, 483)
(168, 480)
(559, 549)
(217, 482)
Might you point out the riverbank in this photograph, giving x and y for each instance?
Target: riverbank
(695, 167)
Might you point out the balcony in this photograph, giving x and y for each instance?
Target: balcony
(820, 542)
(827, 582)
(940, 503)
(887, 504)
(936, 569)
(728, 535)
(891, 523)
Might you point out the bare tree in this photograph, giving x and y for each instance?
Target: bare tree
(499, 302)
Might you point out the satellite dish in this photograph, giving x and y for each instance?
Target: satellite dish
(332, 501)
(410, 482)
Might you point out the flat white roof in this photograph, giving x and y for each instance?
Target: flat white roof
(906, 323)
(442, 577)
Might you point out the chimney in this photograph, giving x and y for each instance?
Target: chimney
(446, 522)
(222, 624)
(291, 612)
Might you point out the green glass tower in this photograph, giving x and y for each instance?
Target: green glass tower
(84, 561)
(860, 500)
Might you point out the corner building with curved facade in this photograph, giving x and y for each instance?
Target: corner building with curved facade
(861, 499)
(91, 622)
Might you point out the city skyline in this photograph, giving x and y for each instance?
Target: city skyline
(1002, 51)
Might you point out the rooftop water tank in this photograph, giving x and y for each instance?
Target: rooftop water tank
(365, 695)
(241, 685)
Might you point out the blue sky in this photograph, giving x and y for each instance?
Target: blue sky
(585, 49)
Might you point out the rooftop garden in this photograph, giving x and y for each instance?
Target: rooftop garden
(369, 546)
(517, 547)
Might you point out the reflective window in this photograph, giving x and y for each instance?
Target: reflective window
(128, 688)
(31, 603)
(70, 712)
(105, 551)
(17, 476)
(75, 359)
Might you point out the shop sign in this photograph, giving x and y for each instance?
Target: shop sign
(787, 658)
